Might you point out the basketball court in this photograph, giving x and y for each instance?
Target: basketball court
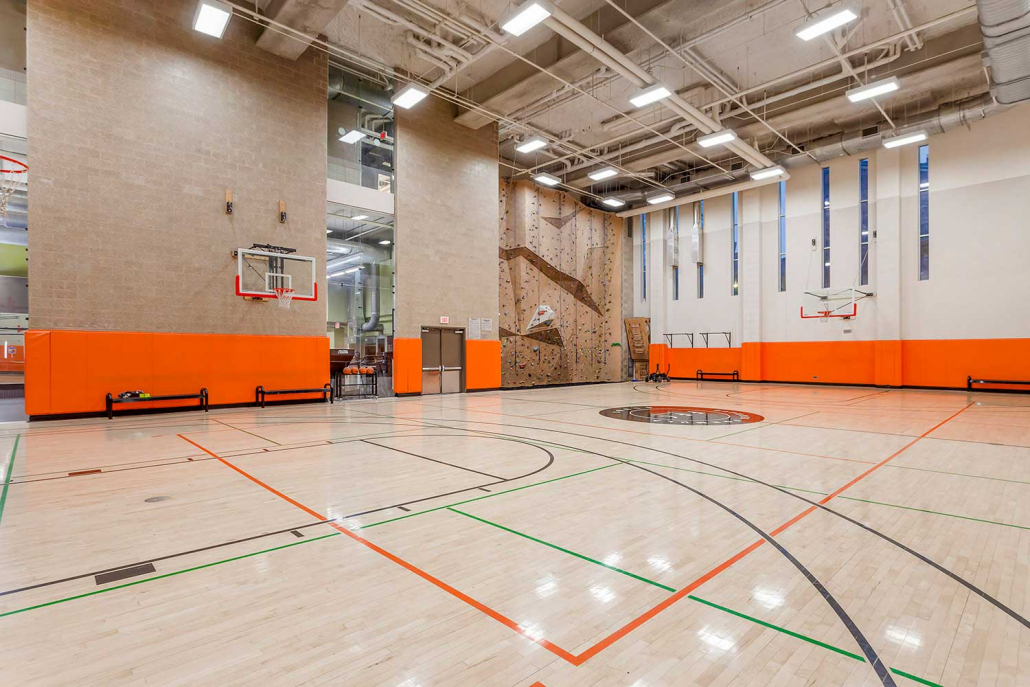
(593, 343)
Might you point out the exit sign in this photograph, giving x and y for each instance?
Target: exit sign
(444, 319)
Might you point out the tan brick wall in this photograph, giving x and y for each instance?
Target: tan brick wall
(446, 219)
(137, 126)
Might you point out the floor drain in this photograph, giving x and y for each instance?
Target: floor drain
(156, 499)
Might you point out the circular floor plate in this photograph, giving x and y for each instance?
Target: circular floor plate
(682, 415)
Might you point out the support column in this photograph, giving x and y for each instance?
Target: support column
(751, 219)
(886, 253)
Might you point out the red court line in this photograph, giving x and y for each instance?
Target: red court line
(504, 620)
(722, 567)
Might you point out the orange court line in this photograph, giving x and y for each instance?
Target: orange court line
(504, 620)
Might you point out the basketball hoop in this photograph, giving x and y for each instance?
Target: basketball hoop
(285, 296)
(11, 179)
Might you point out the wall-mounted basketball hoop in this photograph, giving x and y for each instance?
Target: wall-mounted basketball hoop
(824, 304)
(13, 175)
(264, 271)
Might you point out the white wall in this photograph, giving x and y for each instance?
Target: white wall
(979, 284)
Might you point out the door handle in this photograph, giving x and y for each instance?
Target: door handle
(431, 369)
(451, 369)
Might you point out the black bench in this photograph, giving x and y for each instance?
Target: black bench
(260, 393)
(970, 382)
(202, 397)
(701, 374)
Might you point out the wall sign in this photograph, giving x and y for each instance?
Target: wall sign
(444, 319)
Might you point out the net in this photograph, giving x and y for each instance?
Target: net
(12, 177)
(285, 297)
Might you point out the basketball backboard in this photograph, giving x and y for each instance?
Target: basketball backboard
(259, 272)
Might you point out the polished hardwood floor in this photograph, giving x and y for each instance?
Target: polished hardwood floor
(852, 536)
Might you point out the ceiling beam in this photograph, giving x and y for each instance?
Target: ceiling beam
(306, 16)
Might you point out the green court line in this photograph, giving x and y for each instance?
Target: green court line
(934, 512)
(171, 574)
(7, 478)
(488, 496)
(558, 548)
(698, 599)
(958, 474)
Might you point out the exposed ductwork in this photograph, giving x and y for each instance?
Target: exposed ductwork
(1005, 25)
(373, 316)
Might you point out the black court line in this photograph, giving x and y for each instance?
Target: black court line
(125, 573)
(296, 533)
(434, 460)
(406, 510)
(238, 429)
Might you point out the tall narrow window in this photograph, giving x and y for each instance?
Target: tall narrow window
(826, 227)
(783, 236)
(863, 220)
(643, 257)
(701, 257)
(924, 213)
(676, 266)
(735, 240)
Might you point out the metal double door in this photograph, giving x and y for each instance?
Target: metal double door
(443, 360)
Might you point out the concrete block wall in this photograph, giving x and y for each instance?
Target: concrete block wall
(137, 126)
(446, 219)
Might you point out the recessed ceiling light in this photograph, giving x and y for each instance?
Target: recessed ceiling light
(352, 136)
(650, 95)
(873, 89)
(212, 17)
(384, 242)
(531, 144)
(660, 198)
(526, 17)
(824, 22)
(904, 139)
(614, 202)
(408, 96)
(359, 217)
(606, 173)
(718, 138)
(547, 179)
(767, 173)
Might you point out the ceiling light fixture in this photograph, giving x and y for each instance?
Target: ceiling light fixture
(526, 17)
(604, 173)
(660, 198)
(614, 202)
(904, 139)
(767, 173)
(409, 96)
(384, 242)
(824, 22)
(874, 89)
(718, 138)
(547, 179)
(359, 217)
(650, 95)
(531, 144)
(352, 136)
(212, 17)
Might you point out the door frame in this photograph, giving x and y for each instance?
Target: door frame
(464, 351)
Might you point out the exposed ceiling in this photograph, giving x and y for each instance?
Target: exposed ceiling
(733, 63)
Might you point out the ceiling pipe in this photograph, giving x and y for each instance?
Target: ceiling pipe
(704, 195)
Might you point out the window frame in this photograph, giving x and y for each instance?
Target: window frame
(735, 246)
(826, 227)
(701, 265)
(863, 221)
(782, 238)
(643, 257)
(923, 245)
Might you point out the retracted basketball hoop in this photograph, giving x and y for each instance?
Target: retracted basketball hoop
(825, 304)
(13, 175)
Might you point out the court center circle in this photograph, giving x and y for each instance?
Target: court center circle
(681, 415)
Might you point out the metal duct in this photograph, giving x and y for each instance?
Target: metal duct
(1005, 25)
(373, 283)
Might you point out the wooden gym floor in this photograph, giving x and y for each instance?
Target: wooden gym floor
(855, 536)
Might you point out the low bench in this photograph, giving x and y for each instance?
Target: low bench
(260, 393)
(735, 376)
(202, 397)
(970, 382)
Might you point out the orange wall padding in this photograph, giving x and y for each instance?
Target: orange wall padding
(15, 360)
(73, 371)
(407, 366)
(685, 362)
(821, 362)
(948, 362)
(482, 364)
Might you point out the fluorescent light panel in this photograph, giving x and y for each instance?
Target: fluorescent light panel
(605, 173)
(718, 138)
(359, 217)
(352, 136)
(825, 22)
(384, 242)
(526, 17)
(531, 144)
(650, 95)
(212, 17)
(660, 198)
(547, 180)
(614, 202)
(874, 89)
(408, 96)
(767, 173)
(904, 139)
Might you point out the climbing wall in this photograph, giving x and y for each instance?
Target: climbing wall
(560, 289)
